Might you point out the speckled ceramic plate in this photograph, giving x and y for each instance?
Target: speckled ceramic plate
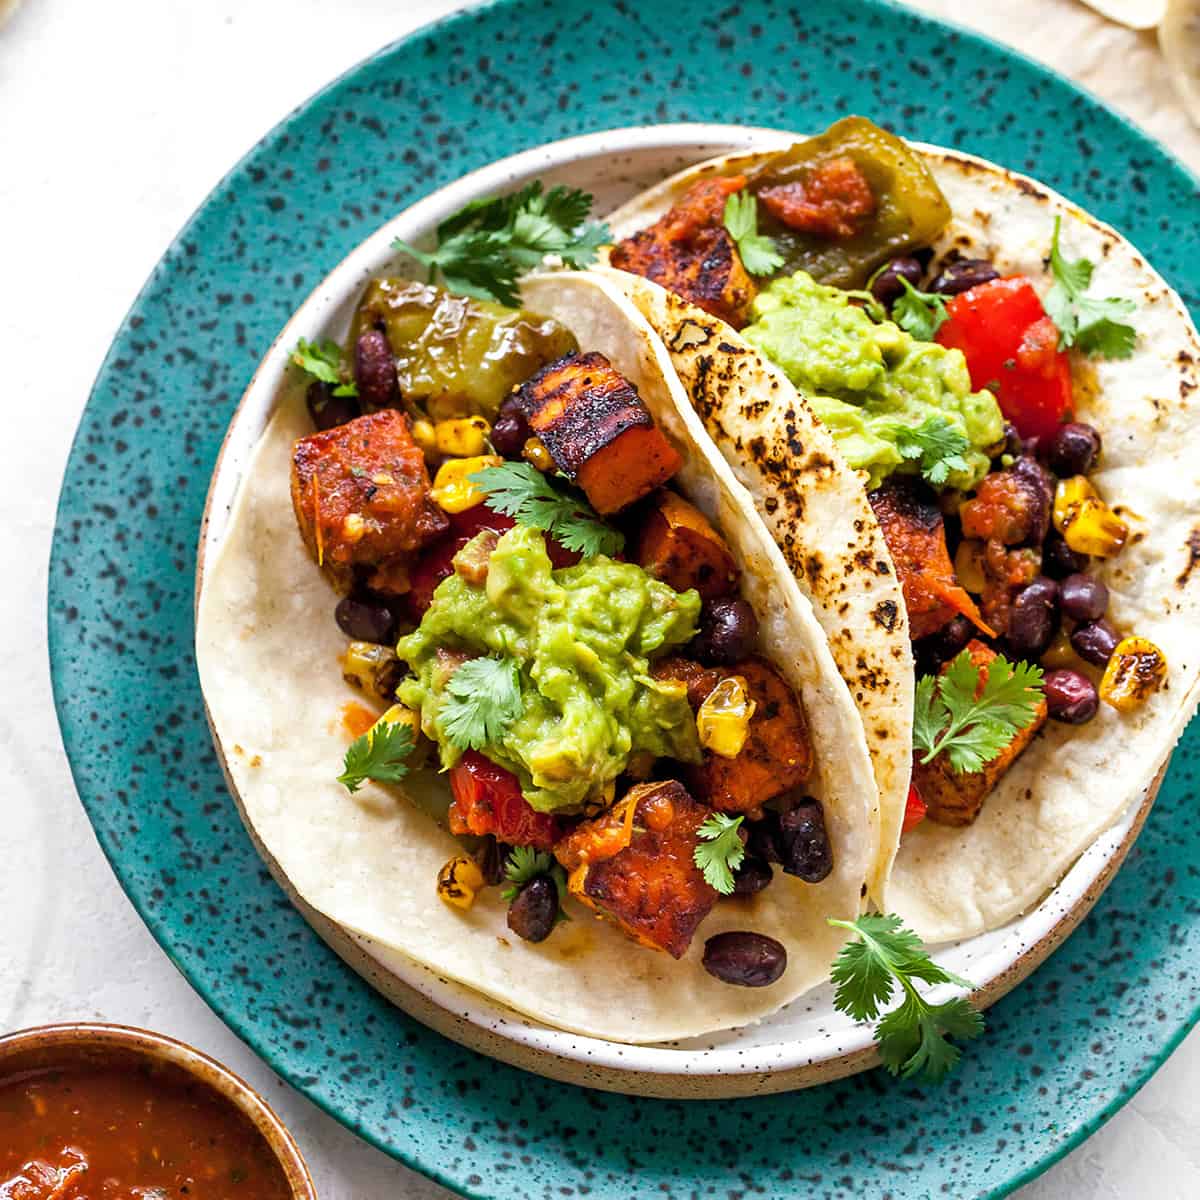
(806, 1042)
(1061, 1053)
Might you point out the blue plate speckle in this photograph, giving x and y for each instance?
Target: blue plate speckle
(1061, 1053)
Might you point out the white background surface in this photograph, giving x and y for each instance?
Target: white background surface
(115, 121)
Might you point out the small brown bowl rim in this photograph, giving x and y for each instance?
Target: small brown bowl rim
(74, 1035)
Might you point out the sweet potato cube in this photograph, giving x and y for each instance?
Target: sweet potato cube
(634, 864)
(955, 799)
(778, 753)
(361, 494)
(680, 547)
(596, 428)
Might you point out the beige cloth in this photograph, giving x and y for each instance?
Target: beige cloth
(1119, 65)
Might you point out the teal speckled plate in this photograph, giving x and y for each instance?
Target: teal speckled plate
(1062, 1052)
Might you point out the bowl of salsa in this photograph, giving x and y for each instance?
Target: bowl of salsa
(107, 1112)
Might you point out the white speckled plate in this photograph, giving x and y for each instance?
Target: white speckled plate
(806, 1042)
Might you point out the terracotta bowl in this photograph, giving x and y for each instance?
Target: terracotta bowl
(106, 1045)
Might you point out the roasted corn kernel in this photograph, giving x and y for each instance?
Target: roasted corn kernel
(424, 435)
(401, 714)
(535, 452)
(968, 564)
(723, 720)
(463, 437)
(458, 881)
(452, 489)
(1137, 668)
(372, 668)
(1087, 524)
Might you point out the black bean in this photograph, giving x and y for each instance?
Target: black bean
(375, 370)
(1033, 620)
(765, 841)
(1070, 696)
(728, 632)
(1073, 449)
(510, 431)
(365, 620)
(806, 852)
(743, 958)
(950, 639)
(886, 286)
(963, 275)
(533, 911)
(1059, 560)
(1095, 641)
(752, 876)
(1038, 488)
(328, 410)
(1084, 597)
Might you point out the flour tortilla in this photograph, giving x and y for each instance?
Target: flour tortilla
(1072, 783)
(268, 653)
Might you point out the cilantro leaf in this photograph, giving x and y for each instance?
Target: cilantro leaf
(378, 754)
(759, 255)
(323, 361)
(971, 732)
(486, 246)
(911, 1037)
(526, 863)
(721, 852)
(483, 699)
(920, 313)
(1085, 321)
(521, 491)
(937, 443)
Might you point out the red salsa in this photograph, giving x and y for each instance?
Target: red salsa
(128, 1132)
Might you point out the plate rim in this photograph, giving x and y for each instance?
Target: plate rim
(235, 1018)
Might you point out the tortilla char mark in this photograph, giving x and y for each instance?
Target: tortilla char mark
(690, 252)
(635, 864)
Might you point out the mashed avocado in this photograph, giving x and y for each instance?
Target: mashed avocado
(582, 638)
(870, 382)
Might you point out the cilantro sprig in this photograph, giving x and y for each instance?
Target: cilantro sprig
(1092, 324)
(323, 361)
(758, 252)
(486, 246)
(937, 444)
(971, 731)
(379, 754)
(721, 851)
(912, 1037)
(525, 863)
(521, 491)
(920, 313)
(483, 699)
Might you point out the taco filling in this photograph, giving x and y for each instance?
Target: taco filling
(553, 625)
(953, 388)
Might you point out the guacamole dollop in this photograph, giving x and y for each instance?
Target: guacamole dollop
(582, 638)
(870, 381)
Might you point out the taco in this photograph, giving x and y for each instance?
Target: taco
(596, 760)
(1012, 385)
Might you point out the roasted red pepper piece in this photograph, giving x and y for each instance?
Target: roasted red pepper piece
(914, 810)
(487, 799)
(1011, 347)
